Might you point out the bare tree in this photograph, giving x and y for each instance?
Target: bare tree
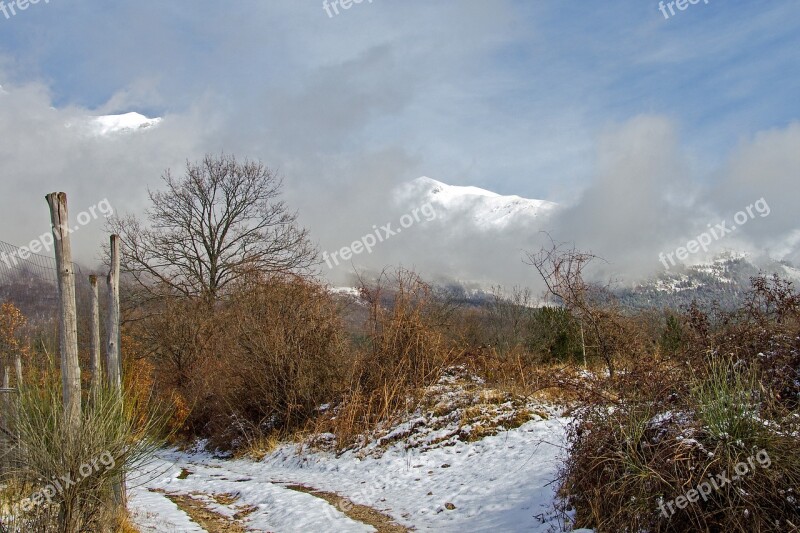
(218, 222)
(509, 318)
(562, 269)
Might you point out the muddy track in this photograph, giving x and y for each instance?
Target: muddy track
(200, 513)
(383, 523)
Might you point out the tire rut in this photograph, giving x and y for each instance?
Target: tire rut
(382, 522)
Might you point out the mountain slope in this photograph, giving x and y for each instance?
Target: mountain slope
(485, 208)
(128, 122)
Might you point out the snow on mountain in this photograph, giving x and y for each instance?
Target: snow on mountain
(486, 208)
(791, 273)
(128, 122)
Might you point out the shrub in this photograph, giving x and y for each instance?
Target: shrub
(257, 362)
(666, 425)
(408, 344)
(297, 363)
(556, 335)
(66, 482)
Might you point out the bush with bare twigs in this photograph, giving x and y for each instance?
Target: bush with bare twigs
(408, 344)
(725, 392)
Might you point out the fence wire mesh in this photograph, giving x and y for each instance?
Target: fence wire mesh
(30, 281)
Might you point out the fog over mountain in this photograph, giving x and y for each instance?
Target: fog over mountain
(639, 203)
(351, 110)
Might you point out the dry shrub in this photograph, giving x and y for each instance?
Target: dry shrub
(407, 346)
(61, 481)
(281, 355)
(171, 345)
(138, 381)
(665, 424)
(258, 362)
(178, 335)
(407, 336)
(514, 371)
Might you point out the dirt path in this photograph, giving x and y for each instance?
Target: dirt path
(200, 512)
(383, 523)
(208, 519)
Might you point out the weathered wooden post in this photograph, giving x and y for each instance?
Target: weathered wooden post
(113, 362)
(68, 321)
(18, 366)
(97, 366)
(113, 331)
(6, 387)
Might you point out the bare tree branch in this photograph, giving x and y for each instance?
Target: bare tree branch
(207, 229)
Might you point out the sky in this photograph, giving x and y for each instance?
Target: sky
(646, 128)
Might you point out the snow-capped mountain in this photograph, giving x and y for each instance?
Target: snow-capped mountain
(724, 281)
(128, 122)
(724, 278)
(486, 208)
(109, 125)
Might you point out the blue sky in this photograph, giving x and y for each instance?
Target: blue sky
(513, 96)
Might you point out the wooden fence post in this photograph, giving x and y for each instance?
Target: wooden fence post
(113, 367)
(113, 363)
(18, 366)
(68, 321)
(96, 363)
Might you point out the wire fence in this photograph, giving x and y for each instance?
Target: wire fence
(30, 281)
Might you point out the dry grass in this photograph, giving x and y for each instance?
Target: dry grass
(259, 447)
(663, 425)
(125, 525)
(406, 349)
(116, 435)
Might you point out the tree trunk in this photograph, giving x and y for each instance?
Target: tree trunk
(68, 322)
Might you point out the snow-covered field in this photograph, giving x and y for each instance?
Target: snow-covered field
(502, 483)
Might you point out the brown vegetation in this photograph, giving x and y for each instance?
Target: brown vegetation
(229, 337)
(722, 389)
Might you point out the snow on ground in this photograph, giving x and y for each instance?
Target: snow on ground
(468, 458)
(152, 511)
(273, 507)
(502, 483)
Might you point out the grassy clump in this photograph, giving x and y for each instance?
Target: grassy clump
(711, 447)
(57, 480)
